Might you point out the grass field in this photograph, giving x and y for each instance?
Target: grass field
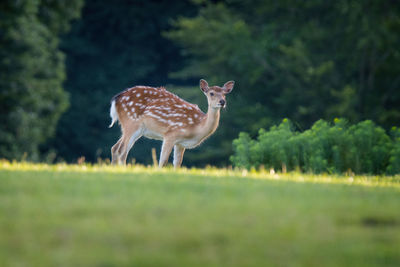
(103, 216)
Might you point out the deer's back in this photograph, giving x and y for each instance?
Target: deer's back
(158, 108)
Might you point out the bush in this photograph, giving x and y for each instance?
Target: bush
(242, 157)
(332, 148)
(371, 148)
(394, 161)
(273, 149)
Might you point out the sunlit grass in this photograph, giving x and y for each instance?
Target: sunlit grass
(365, 180)
(102, 215)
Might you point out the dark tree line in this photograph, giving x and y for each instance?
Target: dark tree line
(304, 60)
(32, 71)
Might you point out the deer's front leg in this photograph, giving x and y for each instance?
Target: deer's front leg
(178, 155)
(165, 151)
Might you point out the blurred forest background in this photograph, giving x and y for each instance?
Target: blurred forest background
(62, 61)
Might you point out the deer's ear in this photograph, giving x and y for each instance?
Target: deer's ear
(228, 86)
(204, 85)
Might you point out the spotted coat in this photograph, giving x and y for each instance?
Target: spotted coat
(163, 106)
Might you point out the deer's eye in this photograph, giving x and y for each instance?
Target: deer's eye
(211, 94)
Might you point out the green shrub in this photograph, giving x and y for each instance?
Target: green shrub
(272, 148)
(371, 148)
(241, 146)
(332, 148)
(394, 161)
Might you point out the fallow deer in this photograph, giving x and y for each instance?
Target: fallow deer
(158, 114)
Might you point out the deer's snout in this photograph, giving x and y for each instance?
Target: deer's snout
(222, 102)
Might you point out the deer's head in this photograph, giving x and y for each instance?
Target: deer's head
(215, 94)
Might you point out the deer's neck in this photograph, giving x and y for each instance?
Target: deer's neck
(210, 122)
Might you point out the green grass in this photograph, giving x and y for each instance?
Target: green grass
(63, 215)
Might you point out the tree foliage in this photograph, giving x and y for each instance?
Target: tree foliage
(31, 72)
(304, 59)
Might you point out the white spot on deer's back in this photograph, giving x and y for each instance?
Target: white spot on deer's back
(130, 103)
(138, 94)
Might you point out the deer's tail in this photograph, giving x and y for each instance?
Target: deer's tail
(113, 114)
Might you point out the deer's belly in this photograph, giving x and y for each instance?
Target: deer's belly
(189, 143)
(152, 135)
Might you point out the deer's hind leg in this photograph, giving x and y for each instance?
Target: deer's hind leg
(130, 135)
(115, 152)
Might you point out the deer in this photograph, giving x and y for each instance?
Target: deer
(155, 113)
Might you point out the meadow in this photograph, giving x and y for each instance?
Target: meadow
(99, 215)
